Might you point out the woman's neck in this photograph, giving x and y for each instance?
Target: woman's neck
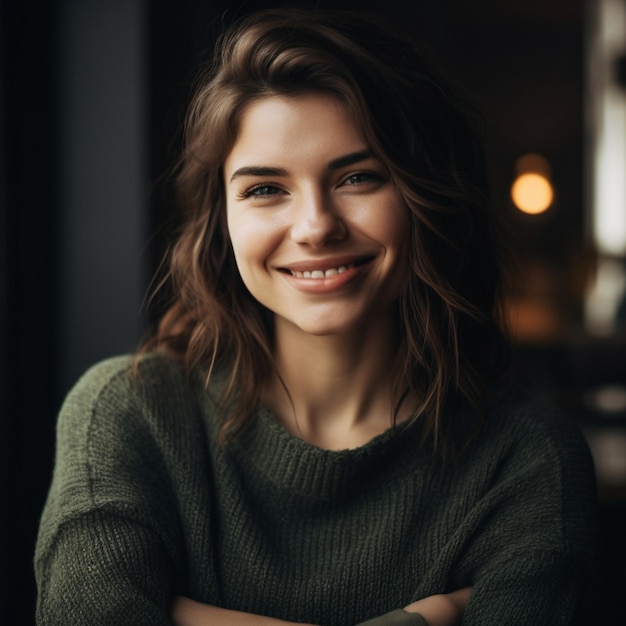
(335, 391)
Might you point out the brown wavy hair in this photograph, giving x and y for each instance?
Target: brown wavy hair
(452, 342)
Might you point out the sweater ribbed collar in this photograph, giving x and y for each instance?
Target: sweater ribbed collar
(288, 462)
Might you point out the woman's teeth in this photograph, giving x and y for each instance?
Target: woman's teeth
(320, 273)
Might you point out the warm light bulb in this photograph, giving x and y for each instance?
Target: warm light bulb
(532, 193)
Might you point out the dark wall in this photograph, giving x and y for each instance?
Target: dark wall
(74, 202)
(29, 287)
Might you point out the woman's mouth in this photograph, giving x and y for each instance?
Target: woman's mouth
(324, 273)
(319, 278)
(333, 271)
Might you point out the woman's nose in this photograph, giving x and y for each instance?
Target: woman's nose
(317, 222)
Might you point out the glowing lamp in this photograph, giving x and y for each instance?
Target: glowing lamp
(532, 191)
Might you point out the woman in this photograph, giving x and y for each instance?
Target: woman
(320, 431)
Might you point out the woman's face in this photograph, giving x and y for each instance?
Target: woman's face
(319, 231)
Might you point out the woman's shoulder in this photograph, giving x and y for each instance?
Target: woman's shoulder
(529, 434)
(152, 391)
(148, 366)
(133, 407)
(533, 420)
(124, 378)
(121, 432)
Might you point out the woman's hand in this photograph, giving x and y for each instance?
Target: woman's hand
(186, 612)
(442, 609)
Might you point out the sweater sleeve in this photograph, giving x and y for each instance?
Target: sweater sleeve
(533, 557)
(106, 551)
(534, 589)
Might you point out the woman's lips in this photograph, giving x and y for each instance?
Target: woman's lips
(316, 277)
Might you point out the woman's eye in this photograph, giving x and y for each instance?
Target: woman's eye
(260, 191)
(362, 177)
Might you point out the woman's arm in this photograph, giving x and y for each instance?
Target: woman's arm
(107, 550)
(187, 612)
(101, 569)
(438, 610)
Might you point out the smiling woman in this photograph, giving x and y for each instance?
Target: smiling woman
(321, 429)
(322, 239)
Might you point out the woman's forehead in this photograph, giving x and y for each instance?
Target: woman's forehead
(278, 130)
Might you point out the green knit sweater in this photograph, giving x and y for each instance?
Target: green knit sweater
(145, 504)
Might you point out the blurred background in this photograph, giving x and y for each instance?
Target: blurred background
(92, 98)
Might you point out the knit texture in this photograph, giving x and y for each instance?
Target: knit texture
(145, 504)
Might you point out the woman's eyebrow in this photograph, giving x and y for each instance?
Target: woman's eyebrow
(251, 170)
(335, 164)
(350, 159)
